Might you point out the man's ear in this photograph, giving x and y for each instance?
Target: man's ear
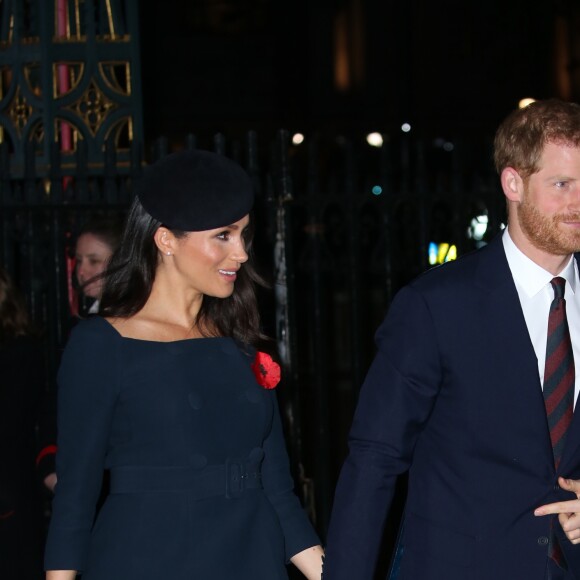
(165, 241)
(512, 184)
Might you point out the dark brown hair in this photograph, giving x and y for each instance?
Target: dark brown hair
(522, 136)
(106, 230)
(131, 272)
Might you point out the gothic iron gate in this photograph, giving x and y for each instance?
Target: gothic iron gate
(70, 137)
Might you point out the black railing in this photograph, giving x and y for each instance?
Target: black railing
(341, 227)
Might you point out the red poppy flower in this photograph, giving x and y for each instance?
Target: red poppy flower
(266, 370)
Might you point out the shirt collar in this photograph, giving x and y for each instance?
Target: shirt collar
(529, 276)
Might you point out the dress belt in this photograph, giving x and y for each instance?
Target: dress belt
(229, 479)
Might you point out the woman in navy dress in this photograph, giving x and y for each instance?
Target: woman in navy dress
(180, 408)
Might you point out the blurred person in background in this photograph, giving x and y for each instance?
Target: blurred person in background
(96, 242)
(95, 245)
(22, 381)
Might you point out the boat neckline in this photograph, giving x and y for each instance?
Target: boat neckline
(180, 340)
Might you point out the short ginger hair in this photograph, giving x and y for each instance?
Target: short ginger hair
(521, 137)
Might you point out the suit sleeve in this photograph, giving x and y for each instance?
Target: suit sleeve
(87, 392)
(279, 487)
(395, 401)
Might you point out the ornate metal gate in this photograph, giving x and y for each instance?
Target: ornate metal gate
(71, 137)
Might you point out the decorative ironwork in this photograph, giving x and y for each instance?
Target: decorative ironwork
(93, 107)
(19, 111)
(75, 71)
(117, 76)
(69, 74)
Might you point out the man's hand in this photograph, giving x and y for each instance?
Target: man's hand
(568, 511)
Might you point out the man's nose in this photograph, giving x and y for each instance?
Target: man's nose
(574, 201)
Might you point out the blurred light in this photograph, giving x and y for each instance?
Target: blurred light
(375, 139)
(377, 190)
(439, 142)
(525, 102)
(448, 146)
(451, 254)
(405, 127)
(442, 250)
(478, 227)
(297, 139)
(432, 253)
(441, 253)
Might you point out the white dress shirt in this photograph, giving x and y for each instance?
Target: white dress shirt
(536, 294)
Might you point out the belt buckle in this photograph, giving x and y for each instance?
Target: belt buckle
(235, 478)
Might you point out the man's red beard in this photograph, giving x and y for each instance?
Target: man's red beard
(544, 231)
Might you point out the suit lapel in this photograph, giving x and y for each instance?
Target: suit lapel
(494, 276)
(511, 341)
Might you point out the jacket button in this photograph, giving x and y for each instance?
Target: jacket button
(543, 541)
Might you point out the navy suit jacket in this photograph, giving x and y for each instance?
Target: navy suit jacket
(453, 396)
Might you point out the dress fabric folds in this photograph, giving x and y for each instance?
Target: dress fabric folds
(200, 485)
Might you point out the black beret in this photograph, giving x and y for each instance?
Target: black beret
(195, 190)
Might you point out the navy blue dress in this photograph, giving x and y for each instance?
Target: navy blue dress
(200, 486)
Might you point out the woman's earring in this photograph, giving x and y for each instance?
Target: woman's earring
(169, 253)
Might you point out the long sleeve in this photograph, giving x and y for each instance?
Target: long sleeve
(279, 487)
(395, 402)
(88, 385)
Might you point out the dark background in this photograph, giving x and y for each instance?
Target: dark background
(449, 68)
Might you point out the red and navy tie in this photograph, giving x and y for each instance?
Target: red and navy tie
(559, 372)
(558, 387)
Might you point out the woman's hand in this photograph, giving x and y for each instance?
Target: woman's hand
(61, 574)
(309, 562)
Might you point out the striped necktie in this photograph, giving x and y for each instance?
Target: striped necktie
(558, 390)
(559, 372)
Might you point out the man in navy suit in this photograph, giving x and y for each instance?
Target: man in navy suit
(455, 396)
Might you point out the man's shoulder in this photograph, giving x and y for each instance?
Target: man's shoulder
(461, 270)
